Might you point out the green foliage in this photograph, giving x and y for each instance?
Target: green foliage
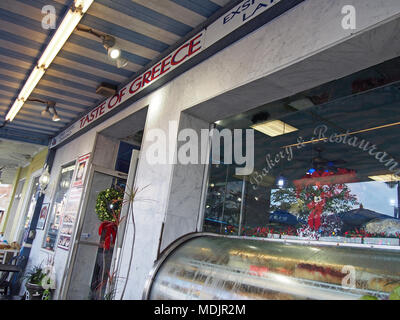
(108, 204)
(369, 298)
(339, 200)
(395, 295)
(35, 275)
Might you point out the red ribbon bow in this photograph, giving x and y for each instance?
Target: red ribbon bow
(314, 219)
(111, 233)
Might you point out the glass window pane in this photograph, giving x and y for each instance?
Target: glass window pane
(59, 201)
(326, 165)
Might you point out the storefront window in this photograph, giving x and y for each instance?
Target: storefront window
(59, 201)
(31, 208)
(326, 165)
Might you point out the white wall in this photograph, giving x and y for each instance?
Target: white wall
(64, 155)
(305, 31)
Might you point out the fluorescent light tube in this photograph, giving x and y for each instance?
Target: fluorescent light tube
(67, 26)
(62, 34)
(31, 83)
(85, 4)
(274, 128)
(27, 89)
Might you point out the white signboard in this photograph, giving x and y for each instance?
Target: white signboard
(235, 18)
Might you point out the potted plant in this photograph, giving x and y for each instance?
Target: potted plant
(34, 284)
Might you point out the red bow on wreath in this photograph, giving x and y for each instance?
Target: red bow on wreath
(111, 232)
(316, 207)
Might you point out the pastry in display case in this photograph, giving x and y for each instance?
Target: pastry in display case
(209, 266)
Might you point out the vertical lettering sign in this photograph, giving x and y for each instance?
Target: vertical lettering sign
(185, 52)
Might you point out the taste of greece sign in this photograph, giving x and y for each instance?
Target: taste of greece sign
(227, 23)
(166, 65)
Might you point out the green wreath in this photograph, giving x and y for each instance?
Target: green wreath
(108, 204)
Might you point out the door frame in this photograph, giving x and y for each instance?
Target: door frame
(119, 245)
(67, 276)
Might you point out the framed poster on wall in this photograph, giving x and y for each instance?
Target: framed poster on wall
(83, 162)
(43, 216)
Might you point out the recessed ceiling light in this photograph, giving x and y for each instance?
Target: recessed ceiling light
(385, 178)
(274, 128)
(301, 104)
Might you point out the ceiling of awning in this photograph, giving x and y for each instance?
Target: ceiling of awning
(143, 30)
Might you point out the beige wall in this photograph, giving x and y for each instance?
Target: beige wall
(11, 224)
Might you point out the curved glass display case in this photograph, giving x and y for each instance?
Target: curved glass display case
(208, 267)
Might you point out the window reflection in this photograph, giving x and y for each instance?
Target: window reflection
(326, 165)
(60, 199)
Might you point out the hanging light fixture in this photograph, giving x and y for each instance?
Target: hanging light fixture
(44, 180)
(110, 44)
(55, 114)
(49, 105)
(45, 112)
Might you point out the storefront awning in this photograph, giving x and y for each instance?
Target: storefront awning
(143, 30)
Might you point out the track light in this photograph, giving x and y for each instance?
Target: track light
(109, 43)
(49, 105)
(45, 112)
(121, 63)
(55, 116)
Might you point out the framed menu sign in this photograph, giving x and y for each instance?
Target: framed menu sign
(43, 216)
(68, 219)
(74, 199)
(79, 178)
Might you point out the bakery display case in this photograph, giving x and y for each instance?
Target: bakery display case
(209, 266)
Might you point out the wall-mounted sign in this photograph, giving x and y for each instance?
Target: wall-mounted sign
(229, 22)
(74, 199)
(43, 216)
(236, 17)
(68, 219)
(185, 52)
(80, 172)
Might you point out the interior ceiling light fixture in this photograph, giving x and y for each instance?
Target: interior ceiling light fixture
(385, 178)
(67, 26)
(274, 128)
